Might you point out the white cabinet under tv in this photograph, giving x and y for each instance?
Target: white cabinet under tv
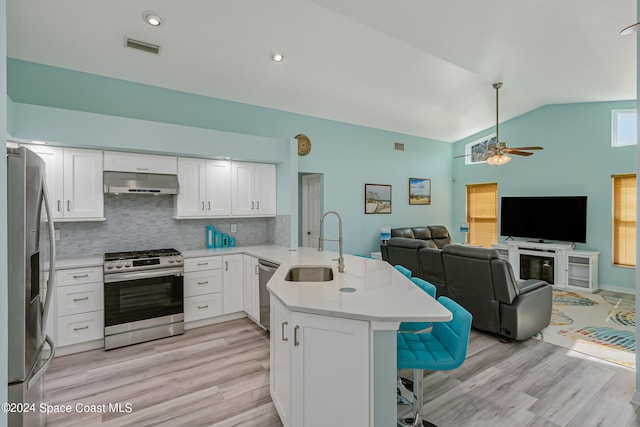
(557, 263)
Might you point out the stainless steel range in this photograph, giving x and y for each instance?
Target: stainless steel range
(143, 296)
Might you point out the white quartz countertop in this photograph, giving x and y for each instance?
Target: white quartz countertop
(381, 292)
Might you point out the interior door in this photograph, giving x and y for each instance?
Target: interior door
(311, 209)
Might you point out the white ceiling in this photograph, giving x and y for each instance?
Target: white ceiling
(419, 67)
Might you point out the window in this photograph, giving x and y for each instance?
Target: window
(623, 128)
(624, 219)
(482, 214)
(475, 150)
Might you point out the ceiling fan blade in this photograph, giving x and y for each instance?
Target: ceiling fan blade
(526, 148)
(463, 155)
(486, 155)
(517, 152)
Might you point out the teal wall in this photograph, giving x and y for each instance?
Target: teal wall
(80, 109)
(577, 160)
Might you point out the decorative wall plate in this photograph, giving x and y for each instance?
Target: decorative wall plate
(304, 144)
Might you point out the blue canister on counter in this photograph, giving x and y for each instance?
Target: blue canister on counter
(217, 239)
(210, 236)
(225, 240)
(232, 242)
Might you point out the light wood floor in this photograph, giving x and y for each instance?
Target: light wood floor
(219, 376)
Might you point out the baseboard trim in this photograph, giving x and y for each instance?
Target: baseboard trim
(621, 290)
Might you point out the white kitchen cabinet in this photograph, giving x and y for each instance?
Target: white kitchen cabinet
(251, 289)
(205, 188)
(233, 283)
(313, 342)
(140, 163)
(74, 182)
(253, 190)
(79, 304)
(202, 288)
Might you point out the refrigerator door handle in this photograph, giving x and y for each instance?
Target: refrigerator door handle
(51, 281)
(43, 368)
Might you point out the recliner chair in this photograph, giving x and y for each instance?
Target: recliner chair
(485, 285)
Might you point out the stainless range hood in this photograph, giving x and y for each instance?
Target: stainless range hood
(140, 183)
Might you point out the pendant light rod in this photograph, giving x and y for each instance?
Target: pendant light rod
(497, 87)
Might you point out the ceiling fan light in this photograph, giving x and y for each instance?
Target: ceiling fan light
(498, 160)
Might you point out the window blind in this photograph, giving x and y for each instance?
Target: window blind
(624, 219)
(482, 214)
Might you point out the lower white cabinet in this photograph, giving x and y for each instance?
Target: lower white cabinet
(320, 369)
(202, 288)
(79, 305)
(232, 283)
(251, 289)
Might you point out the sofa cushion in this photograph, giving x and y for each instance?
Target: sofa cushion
(423, 233)
(406, 232)
(471, 251)
(440, 235)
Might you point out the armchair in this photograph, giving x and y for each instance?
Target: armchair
(485, 285)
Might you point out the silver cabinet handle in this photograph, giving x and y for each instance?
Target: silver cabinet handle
(202, 307)
(79, 329)
(203, 263)
(226, 266)
(59, 205)
(295, 336)
(203, 283)
(68, 205)
(258, 205)
(142, 169)
(283, 337)
(80, 276)
(81, 299)
(209, 205)
(252, 203)
(203, 205)
(257, 269)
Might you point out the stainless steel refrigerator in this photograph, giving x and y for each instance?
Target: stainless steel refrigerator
(30, 239)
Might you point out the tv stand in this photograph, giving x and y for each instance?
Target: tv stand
(557, 263)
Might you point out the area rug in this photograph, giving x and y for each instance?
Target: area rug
(601, 326)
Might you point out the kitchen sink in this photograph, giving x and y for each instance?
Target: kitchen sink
(309, 274)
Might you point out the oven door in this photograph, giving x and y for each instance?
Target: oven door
(137, 296)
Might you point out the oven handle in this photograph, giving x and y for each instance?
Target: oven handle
(120, 277)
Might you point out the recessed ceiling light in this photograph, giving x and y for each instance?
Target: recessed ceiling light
(277, 57)
(630, 29)
(152, 18)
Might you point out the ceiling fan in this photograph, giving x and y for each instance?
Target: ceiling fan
(498, 152)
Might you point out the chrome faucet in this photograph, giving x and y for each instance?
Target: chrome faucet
(321, 239)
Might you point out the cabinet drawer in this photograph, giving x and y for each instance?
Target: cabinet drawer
(202, 282)
(204, 263)
(76, 276)
(79, 328)
(140, 163)
(78, 299)
(202, 306)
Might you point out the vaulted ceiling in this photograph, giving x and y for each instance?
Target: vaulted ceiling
(419, 67)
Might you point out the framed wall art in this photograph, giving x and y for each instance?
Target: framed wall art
(377, 199)
(419, 191)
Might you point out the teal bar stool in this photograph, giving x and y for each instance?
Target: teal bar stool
(403, 270)
(419, 326)
(443, 348)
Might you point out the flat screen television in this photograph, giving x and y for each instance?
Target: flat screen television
(561, 218)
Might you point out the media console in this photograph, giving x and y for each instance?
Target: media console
(557, 263)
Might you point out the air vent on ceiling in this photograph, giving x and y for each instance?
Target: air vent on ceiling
(399, 146)
(147, 47)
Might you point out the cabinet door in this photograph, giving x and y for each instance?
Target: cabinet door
(139, 163)
(218, 188)
(251, 291)
(280, 348)
(83, 191)
(343, 344)
(265, 189)
(242, 202)
(232, 284)
(190, 201)
(54, 162)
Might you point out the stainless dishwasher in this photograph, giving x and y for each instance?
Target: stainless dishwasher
(266, 270)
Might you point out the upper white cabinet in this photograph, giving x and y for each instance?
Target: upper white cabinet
(253, 189)
(74, 182)
(205, 188)
(140, 163)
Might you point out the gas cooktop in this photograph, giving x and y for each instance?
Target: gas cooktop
(115, 262)
(150, 253)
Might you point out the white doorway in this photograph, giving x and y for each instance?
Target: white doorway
(311, 209)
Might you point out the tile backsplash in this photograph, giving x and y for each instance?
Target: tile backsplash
(135, 222)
